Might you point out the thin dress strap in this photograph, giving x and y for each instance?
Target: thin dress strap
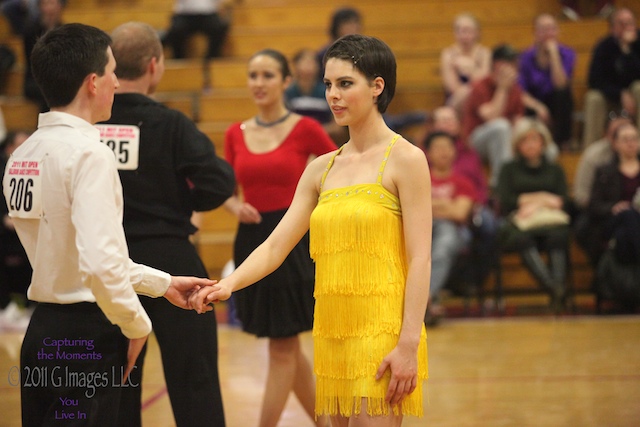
(386, 157)
(326, 171)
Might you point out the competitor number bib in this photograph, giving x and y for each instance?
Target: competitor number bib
(124, 141)
(23, 188)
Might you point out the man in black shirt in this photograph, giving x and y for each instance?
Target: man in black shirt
(614, 75)
(168, 169)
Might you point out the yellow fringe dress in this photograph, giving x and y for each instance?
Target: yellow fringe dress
(357, 243)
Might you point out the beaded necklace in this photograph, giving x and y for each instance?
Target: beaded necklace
(273, 123)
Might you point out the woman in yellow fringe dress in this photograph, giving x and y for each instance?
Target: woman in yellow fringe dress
(368, 207)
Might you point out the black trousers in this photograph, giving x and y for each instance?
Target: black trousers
(188, 342)
(183, 26)
(71, 366)
(625, 229)
(560, 105)
(15, 270)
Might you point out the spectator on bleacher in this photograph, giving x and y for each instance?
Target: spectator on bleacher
(610, 206)
(465, 61)
(468, 163)
(527, 184)
(344, 21)
(452, 196)
(269, 152)
(49, 17)
(596, 155)
(614, 75)
(175, 172)
(492, 106)
(545, 74)
(15, 270)
(19, 13)
(305, 95)
(209, 17)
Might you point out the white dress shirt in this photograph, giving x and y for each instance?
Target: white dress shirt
(65, 198)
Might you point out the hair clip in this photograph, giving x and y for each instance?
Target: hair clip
(355, 61)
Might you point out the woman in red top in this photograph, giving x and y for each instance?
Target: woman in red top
(268, 153)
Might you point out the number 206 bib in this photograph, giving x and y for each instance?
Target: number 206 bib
(23, 188)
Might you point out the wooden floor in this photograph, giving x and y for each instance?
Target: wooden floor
(527, 371)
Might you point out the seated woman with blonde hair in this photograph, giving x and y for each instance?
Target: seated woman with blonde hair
(532, 194)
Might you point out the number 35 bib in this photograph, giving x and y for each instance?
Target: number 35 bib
(124, 141)
(23, 188)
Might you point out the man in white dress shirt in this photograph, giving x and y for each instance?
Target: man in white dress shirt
(64, 196)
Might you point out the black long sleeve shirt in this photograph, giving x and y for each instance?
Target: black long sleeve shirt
(178, 171)
(611, 71)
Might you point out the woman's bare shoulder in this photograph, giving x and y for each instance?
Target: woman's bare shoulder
(317, 166)
(407, 151)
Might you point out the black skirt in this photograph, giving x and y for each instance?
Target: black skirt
(281, 304)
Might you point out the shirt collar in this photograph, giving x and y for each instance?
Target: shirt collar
(58, 118)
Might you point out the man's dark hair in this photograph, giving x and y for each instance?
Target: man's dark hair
(435, 135)
(64, 57)
(372, 57)
(504, 52)
(342, 16)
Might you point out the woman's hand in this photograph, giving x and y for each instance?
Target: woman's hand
(403, 364)
(620, 206)
(527, 209)
(247, 214)
(201, 299)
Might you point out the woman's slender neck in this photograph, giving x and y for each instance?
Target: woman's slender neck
(369, 132)
(272, 112)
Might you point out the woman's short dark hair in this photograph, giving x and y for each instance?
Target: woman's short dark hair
(372, 57)
(435, 135)
(278, 57)
(342, 16)
(64, 57)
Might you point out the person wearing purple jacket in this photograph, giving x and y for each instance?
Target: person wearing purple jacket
(545, 73)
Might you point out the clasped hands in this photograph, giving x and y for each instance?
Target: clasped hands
(193, 293)
(201, 299)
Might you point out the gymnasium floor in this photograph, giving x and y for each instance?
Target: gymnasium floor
(516, 371)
